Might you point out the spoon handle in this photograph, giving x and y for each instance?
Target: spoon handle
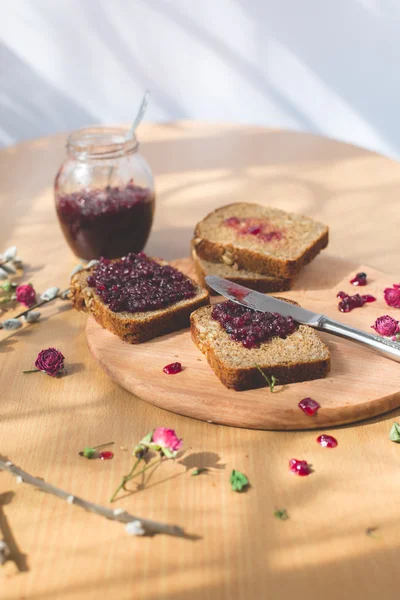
(140, 114)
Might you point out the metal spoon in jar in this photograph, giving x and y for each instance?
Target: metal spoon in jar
(132, 129)
(140, 115)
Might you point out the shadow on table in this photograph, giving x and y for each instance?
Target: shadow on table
(11, 337)
(6, 532)
(204, 462)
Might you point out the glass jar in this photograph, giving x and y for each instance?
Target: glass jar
(104, 193)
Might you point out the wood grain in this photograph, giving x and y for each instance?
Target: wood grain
(244, 552)
(197, 392)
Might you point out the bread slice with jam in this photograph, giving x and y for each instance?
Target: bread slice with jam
(259, 239)
(300, 356)
(124, 312)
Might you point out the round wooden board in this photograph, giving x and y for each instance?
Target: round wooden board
(361, 384)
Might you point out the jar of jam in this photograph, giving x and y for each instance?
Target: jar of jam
(104, 193)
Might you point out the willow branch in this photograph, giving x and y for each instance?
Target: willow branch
(141, 526)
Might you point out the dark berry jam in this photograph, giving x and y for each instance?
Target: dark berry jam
(173, 368)
(110, 222)
(309, 406)
(136, 283)
(260, 228)
(327, 441)
(250, 327)
(359, 279)
(106, 455)
(348, 303)
(299, 467)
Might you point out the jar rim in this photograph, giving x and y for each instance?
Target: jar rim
(98, 142)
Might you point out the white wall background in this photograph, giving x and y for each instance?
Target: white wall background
(326, 66)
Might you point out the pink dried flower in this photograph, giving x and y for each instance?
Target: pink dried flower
(50, 361)
(392, 296)
(166, 438)
(386, 325)
(26, 295)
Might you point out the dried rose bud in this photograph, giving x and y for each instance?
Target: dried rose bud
(166, 438)
(50, 361)
(392, 296)
(26, 295)
(386, 326)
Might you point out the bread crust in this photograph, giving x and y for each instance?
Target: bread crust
(271, 284)
(252, 260)
(134, 327)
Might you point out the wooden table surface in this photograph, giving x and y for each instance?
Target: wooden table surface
(243, 552)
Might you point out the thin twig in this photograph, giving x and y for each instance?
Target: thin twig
(125, 479)
(25, 312)
(148, 527)
(38, 304)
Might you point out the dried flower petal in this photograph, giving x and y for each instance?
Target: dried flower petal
(50, 293)
(167, 440)
(50, 361)
(386, 326)
(392, 296)
(11, 324)
(3, 274)
(25, 294)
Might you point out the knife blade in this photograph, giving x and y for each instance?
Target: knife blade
(257, 301)
(260, 302)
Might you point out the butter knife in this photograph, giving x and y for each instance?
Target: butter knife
(257, 301)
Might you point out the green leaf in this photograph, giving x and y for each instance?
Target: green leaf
(271, 381)
(89, 452)
(198, 471)
(238, 481)
(6, 286)
(281, 514)
(147, 439)
(168, 453)
(394, 435)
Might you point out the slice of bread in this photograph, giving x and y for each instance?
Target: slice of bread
(134, 327)
(299, 357)
(294, 240)
(254, 281)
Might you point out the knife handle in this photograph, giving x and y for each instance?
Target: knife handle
(384, 346)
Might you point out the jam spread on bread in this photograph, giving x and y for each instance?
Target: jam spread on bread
(250, 327)
(259, 228)
(136, 283)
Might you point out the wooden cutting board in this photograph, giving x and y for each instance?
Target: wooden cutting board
(361, 384)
